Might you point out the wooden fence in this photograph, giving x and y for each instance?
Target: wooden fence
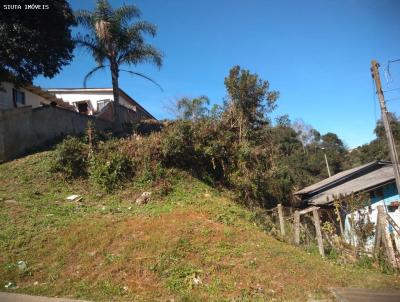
(303, 227)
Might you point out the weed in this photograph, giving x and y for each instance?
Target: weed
(110, 172)
(365, 262)
(70, 158)
(181, 277)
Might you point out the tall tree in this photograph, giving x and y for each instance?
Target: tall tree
(249, 99)
(114, 38)
(304, 132)
(35, 42)
(335, 151)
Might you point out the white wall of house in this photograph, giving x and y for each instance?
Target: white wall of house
(6, 97)
(94, 96)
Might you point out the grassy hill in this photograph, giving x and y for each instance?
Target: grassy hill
(189, 243)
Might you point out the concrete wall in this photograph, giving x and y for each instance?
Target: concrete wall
(23, 129)
(6, 97)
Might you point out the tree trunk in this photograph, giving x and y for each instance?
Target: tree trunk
(114, 76)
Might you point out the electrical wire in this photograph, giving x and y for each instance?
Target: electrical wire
(392, 99)
(393, 89)
(388, 76)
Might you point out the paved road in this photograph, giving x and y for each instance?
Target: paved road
(8, 297)
(366, 295)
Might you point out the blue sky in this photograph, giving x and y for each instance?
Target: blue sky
(316, 53)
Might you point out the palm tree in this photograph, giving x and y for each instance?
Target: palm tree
(114, 40)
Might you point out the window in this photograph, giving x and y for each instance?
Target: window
(101, 104)
(18, 97)
(83, 108)
(377, 193)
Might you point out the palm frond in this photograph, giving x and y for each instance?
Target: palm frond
(85, 18)
(201, 100)
(140, 54)
(122, 15)
(143, 76)
(142, 27)
(90, 73)
(103, 11)
(94, 46)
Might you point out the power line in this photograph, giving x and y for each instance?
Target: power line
(388, 76)
(393, 89)
(392, 99)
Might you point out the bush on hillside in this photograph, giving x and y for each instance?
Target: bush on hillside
(145, 153)
(71, 158)
(109, 173)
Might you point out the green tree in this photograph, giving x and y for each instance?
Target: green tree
(335, 151)
(249, 100)
(114, 38)
(283, 121)
(193, 109)
(35, 42)
(377, 149)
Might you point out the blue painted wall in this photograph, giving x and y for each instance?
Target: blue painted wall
(390, 194)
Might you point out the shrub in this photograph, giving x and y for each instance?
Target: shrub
(109, 173)
(143, 151)
(71, 158)
(177, 145)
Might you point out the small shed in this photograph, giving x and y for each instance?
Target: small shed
(375, 179)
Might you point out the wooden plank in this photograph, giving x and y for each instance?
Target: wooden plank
(339, 219)
(308, 210)
(281, 219)
(378, 231)
(387, 241)
(297, 227)
(393, 223)
(317, 224)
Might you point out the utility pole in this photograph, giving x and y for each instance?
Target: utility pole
(326, 162)
(386, 123)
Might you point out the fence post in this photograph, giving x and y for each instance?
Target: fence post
(297, 227)
(339, 218)
(281, 219)
(378, 231)
(317, 224)
(385, 236)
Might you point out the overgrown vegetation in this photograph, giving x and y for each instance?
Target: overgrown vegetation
(192, 243)
(71, 158)
(109, 172)
(235, 145)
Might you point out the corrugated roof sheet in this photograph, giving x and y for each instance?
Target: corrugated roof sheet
(334, 178)
(367, 181)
